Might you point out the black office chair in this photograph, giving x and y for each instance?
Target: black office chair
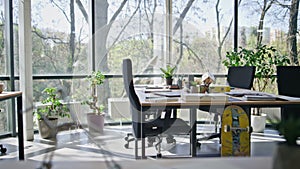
(288, 84)
(152, 127)
(237, 77)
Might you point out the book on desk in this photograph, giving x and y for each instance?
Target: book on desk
(252, 95)
(163, 96)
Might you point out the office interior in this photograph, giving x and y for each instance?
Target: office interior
(58, 44)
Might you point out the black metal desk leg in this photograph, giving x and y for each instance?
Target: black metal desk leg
(20, 128)
(193, 139)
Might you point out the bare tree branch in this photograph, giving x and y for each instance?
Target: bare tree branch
(182, 15)
(113, 18)
(190, 50)
(125, 26)
(83, 11)
(282, 5)
(54, 39)
(264, 10)
(221, 41)
(62, 10)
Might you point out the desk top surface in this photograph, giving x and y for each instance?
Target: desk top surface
(7, 95)
(277, 100)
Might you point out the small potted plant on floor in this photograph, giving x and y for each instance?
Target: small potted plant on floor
(168, 73)
(95, 118)
(288, 152)
(47, 115)
(265, 59)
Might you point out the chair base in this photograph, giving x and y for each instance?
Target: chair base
(151, 139)
(2, 149)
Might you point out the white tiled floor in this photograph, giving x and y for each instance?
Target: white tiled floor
(79, 146)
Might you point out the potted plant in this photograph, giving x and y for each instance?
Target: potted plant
(288, 152)
(194, 87)
(265, 59)
(95, 119)
(168, 74)
(47, 115)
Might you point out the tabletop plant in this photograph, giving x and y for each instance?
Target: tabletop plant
(95, 79)
(168, 73)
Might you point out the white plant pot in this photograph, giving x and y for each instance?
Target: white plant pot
(258, 123)
(95, 123)
(48, 130)
(195, 89)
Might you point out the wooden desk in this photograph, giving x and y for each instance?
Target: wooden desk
(194, 105)
(18, 96)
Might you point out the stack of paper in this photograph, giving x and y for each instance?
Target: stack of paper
(259, 97)
(156, 90)
(204, 97)
(162, 99)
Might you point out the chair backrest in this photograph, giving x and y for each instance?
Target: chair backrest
(241, 76)
(135, 105)
(288, 80)
(129, 85)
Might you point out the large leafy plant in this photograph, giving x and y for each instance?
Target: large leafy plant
(289, 128)
(264, 58)
(95, 79)
(52, 107)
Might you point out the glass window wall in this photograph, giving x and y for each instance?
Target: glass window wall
(193, 35)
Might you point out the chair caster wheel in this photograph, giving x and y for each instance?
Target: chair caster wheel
(126, 138)
(3, 149)
(159, 155)
(126, 146)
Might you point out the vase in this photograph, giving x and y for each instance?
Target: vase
(95, 123)
(47, 129)
(195, 89)
(169, 81)
(286, 156)
(258, 122)
(179, 83)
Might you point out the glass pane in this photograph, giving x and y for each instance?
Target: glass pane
(201, 41)
(5, 106)
(3, 58)
(274, 22)
(60, 37)
(265, 23)
(139, 32)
